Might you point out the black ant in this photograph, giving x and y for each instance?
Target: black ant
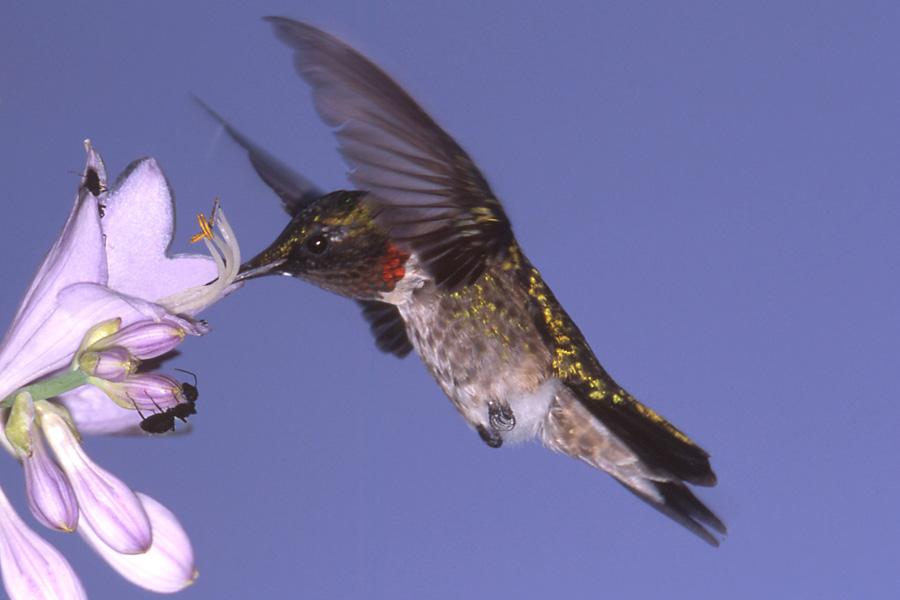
(190, 391)
(160, 422)
(164, 420)
(93, 185)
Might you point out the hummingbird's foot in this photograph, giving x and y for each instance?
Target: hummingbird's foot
(491, 438)
(501, 416)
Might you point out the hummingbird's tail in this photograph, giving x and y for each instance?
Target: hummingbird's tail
(572, 429)
(675, 500)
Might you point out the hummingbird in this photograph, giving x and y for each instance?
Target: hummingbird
(427, 250)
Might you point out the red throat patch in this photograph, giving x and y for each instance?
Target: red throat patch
(392, 266)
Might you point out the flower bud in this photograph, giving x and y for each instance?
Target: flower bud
(144, 391)
(114, 512)
(113, 365)
(32, 568)
(167, 567)
(19, 424)
(144, 339)
(50, 496)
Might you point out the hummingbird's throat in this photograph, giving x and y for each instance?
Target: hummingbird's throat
(393, 266)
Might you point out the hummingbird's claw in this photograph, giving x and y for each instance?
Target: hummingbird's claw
(491, 438)
(501, 416)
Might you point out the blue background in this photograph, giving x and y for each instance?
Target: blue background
(710, 189)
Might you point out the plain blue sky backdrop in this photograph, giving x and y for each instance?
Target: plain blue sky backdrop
(712, 190)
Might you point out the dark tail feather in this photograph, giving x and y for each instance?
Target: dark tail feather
(681, 505)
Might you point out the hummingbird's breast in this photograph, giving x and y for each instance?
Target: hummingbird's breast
(483, 347)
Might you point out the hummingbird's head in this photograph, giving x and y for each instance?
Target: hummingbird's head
(334, 244)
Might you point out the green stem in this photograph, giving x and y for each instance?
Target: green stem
(69, 380)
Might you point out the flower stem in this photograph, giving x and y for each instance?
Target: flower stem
(68, 380)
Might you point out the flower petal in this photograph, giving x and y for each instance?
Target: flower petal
(77, 256)
(145, 339)
(52, 344)
(167, 567)
(97, 186)
(32, 568)
(149, 392)
(114, 364)
(139, 225)
(110, 506)
(94, 413)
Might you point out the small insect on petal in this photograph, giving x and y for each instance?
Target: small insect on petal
(191, 394)
(167, 567)
(164, 420)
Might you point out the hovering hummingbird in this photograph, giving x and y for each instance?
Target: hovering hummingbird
(428, 251)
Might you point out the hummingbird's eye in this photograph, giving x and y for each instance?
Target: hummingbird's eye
(317, 244)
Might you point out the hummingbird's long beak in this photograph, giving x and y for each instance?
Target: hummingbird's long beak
(274, 260)
(260, 265)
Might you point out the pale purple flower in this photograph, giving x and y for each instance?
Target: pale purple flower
(112, 365)
(50, 495)
(32, 569)
(143, 392)
(104, 500)
(94, 273)
(168, 566)
(143, 340)
(106, 296)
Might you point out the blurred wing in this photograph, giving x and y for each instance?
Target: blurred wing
(295, 190)
(387, 326)
(429, 194)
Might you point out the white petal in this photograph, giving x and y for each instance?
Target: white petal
(32, 568)
(167, 567)
(139, 225)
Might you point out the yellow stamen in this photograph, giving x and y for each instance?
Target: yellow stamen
(206, 225)
(225, 252)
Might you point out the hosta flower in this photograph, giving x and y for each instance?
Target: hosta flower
(31, 567)
(106, 297)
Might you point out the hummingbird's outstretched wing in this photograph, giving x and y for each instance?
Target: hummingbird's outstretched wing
(297, 192)
(430, 195)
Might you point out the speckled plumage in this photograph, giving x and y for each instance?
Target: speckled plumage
(430, 254)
